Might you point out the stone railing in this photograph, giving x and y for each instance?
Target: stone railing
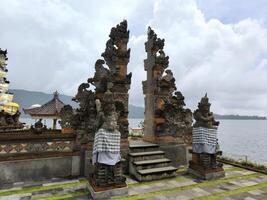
(25, 143)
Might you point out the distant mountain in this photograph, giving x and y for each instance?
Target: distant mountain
(239, 117)
(27, 98)
(136, 111)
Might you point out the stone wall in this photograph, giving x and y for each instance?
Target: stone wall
(26, 156)
(177, 153)
(39, 168)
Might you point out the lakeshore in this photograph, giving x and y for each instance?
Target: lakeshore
(252, 132)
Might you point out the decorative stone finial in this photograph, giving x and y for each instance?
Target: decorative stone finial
(56, 95)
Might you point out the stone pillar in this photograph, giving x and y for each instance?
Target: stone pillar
(166, 120)
(54, 123)
(116, 56)
(113, 75)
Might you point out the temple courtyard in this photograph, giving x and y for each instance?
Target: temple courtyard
(238, 184)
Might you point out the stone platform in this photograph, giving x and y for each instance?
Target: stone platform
(238, 184)
(207, 175)
(107, 194)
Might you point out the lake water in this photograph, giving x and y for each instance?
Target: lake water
(237, 138)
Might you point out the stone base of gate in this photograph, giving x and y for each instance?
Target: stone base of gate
(107, 193)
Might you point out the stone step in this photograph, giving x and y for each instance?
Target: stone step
(157, 170)
(148, 164)
(155, 173)
(142, 147)
(148, 155)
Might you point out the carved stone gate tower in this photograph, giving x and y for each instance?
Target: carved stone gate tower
(110, 72)
(167, 122)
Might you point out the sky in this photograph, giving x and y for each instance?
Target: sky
(215, 46)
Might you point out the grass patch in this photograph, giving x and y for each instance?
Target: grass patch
(182, 169)
(232, 192)
(188, 187)
(65, 196)
(42, 188)
(233, 169)
(245, 163)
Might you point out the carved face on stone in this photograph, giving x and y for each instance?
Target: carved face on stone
(205, 108)
(3, 60)
(111, 122)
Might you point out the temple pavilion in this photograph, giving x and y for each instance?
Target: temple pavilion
(50, 110)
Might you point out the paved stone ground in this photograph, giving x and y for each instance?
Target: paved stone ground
(237, 185)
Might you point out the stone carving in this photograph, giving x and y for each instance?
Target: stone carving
(205, 143)
(9, 112)
(83, 118)
(38, 127)
(66, 116)
(203, 116)
(101, 77)
(116, 57)
(33, 147)
(3, 60)
(8, 121)
(107, 172)
(165, 114)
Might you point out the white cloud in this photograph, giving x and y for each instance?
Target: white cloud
(54, 44)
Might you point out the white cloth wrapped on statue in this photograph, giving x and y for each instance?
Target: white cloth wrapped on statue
(204, 140)
(107, 147)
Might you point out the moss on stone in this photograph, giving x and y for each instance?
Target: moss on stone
(177, 178)
(65, 196)
(42, 188)
(232, 192)
(188, 187)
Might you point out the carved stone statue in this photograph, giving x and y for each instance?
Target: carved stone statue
(3, 118)
(106, 154)
(101, 77)
(3, 60)
(83, 119)
(203, 116)
(9, 118)
(205, 143)
(66, 116)
(38, 127)
(16, 119)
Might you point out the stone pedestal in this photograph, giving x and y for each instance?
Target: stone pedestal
(204, 172)
(207, 174)
(108, 192)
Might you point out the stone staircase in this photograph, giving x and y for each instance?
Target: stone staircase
(147, 162)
